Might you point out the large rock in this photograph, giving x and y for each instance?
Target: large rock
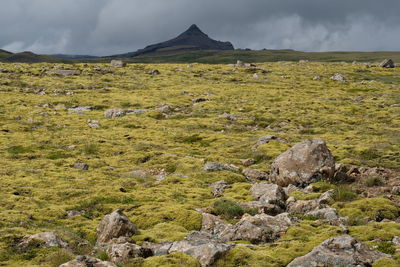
(387, 63)
(268, 193)
(304, 163)
(45, 239)
(339, 251)
(115, 225)
(85, 261)
(201, 246)
(114, 113)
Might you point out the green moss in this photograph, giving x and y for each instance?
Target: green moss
(300, 195)
(162, 232)
(386, 262)
(371, 231)
(176, 259)
(374, 208)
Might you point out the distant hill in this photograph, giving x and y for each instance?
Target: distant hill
(193, 39)
(4, 54)
(29, 57)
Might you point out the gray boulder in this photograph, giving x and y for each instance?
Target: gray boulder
(117, 63)
(45, 239)
(121, 249)
(201, 246)
(115, 225)
(339, 251)
(304, 163)
(217, 166)
(269, 193)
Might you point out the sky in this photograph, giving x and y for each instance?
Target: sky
(107, 27)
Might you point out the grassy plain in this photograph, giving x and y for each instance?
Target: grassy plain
(41, 137)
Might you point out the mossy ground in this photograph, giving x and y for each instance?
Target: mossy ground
(359, 120)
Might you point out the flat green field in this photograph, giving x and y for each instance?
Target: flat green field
(173, 126)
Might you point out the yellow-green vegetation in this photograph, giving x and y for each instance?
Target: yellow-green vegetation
(41, 138)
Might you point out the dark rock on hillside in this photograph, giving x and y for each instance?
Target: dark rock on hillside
(387, 63)
(339, 251)
(191, 40)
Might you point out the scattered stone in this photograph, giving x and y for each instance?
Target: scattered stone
(115, 225)
(93, 124)
(118, 63)
(387, 63)
(304, 163)
(219, 187)
(303, 206)
(154, 72)
(327, 197)
(396, 241)
(79, 109)
(137, 111)
(158, 249)
(63, 72)
(266, 139)
(395, 190)
(339, 251)
(200, 99)
(164, 108)
(263, 207)
(86, 261)
(338, 77)
(290, 189)
(308, 189)
(81, 166)
(45, 239)
(217, 166)
(114, 113)
(74, 213)
(4, 70)
(328, 214)
(228, 117)
(248, 162)
(317, 78)
(256, 76)
(202, 247)
(252, 174)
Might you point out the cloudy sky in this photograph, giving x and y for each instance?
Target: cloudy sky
(104, 27)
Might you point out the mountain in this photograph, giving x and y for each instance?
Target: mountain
(192, 39)
(63, 56)
(29, 57)
(4, 54)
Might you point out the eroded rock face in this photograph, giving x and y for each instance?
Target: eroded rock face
(115, 225)
(304, 163)
(201, 246)
(339, 251)
(45, 239)
(85, 261)
(114, 113)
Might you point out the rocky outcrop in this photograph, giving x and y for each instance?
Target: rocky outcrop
(85, 261)
(304, 163)
(45, 239)
(339, 251)
(115, 225)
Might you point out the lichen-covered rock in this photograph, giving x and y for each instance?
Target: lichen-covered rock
(269, 193)
(217, 166)
(304, 163)
(219, 187)
(115, 225)
(85, 261)
(201, 246)
(339, 251)
(114, 113)
(216, 227)
(45, 239)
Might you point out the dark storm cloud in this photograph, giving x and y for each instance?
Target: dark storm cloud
(105, 27)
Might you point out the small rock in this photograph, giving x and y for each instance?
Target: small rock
(228, 117)
(317, 78)
(248, 162)
(201, 99)
(328, 214)
(45, 239)
(396, 241)
(81, 166)
(266, 139)
(154, 72)
(338, 77)
(79, 109)
(269, 193)
(114, 113)
(290, 189)
(256, 76)
(117, 63)
(219, 187)
(217, 166)
(93, 124)
(252, 174)
(74, 213)
(121, 249)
